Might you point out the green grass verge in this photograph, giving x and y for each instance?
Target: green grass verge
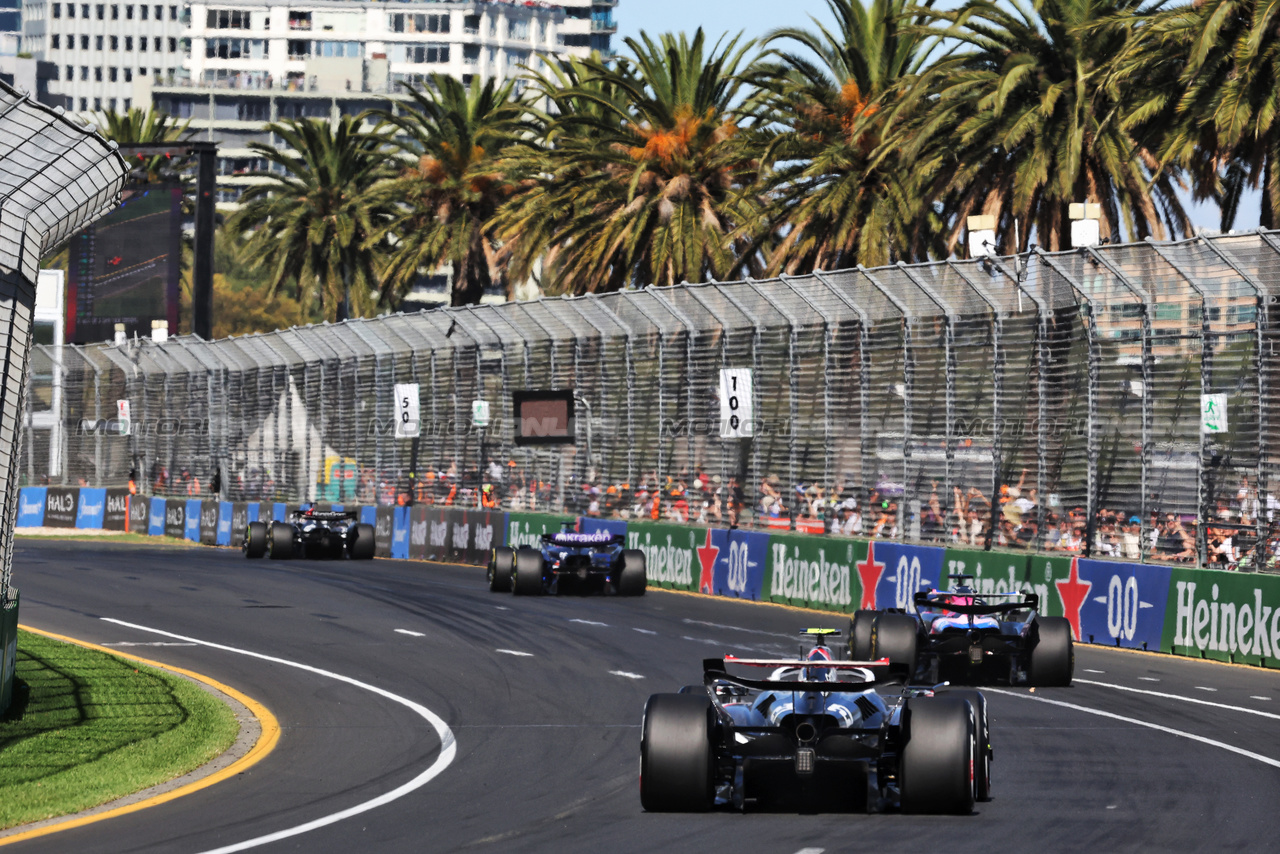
(87, 727)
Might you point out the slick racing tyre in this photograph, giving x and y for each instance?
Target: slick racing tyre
(501, 564)
(362, 546)
(528, 577)
(937, 758)
(983, 753)
(860, 635)
(676, 759)
(255, 540)
(893, 636)
(633, 578)
(1052, 655)
(280, 541)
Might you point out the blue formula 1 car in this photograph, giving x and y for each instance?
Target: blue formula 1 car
(311, 534)
(965, 637)
(569, 561)
(814, 734)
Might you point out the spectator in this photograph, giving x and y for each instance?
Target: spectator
(1131, 540)
(1052, 535)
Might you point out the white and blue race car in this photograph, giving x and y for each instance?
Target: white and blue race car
(815, 734)
(570, 561)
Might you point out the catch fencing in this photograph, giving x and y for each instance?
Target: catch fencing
(1068, 401)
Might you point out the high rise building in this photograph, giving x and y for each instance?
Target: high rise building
(588, 26)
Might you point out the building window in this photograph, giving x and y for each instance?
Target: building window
(84, 42)
(115, 42)
(71, 10)
(71, 73)
(84, 104)
(144, 10)
(173, 45)
(128, 102)
(235, 49)
(575, 40)
(337, 49)
(470, 54)
(142, 72)
(173, 13)
(142, 43)
(493, 26)
(299, 49)
(418, 54)
(98, 42)
(128, 42)
(228, 19)
(55, 41)
(128, 13)
(517, 29)
(112, 74)
(101, 10)
(254, 111)
(471, 25)
(84, 11)
(159, 14)
(405, 23)
(97, 104)
(97, 73)
(115, 13)
(57, 10)
(111, 105)
(128, 77)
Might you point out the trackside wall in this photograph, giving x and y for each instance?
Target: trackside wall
(1225, 616)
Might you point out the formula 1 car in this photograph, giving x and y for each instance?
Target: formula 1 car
(311, 534)
(813, 734)
(963, 637)
(568, 560)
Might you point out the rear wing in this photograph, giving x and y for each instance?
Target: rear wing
(715, 670)
(924, 599)
(325, 515)
(572, 540)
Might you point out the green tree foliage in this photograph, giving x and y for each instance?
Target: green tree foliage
(311, 220)
(451, 185)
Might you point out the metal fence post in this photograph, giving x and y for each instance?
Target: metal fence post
(908, 384)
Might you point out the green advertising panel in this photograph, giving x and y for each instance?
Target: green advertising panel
(1225, 616)
(1043, 571)
(814, 572)
(672, 553)
(526, 529)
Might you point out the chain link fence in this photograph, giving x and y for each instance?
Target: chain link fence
(1048, 401)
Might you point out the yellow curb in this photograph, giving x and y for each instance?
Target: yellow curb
(266, 742)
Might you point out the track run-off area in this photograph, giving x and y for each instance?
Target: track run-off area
(420, 712)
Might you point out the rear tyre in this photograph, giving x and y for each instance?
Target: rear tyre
(501, 565)
(860, 635)
(893, 636)
(280, 540)
(937, 759)
(362, 547)
(633, 579)
(983, 754)
(255, 540)
(676, 758)
(528, 575)
(1053, 655)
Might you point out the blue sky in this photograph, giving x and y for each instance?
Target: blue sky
(754, 18)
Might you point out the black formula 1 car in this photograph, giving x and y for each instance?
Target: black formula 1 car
(570, 561)
(963, 637)
(311, 534)
(813, 734)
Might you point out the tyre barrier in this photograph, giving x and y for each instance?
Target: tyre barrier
(1224, 616)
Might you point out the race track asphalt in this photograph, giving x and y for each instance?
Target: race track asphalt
(544, 698)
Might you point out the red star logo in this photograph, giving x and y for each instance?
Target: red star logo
(869, 571)
(1072, 591)
(707, 557)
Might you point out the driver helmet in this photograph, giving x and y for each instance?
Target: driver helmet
(818, 674)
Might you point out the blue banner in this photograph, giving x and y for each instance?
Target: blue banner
(594, 525)
(903, 570)
(91, 508)
(400, 533)
(252, 508)
(155, 523)
(224, 523)
(337, 508)
(279, 511)
(740, 566)
(369, 515)
(1115, 603)
(191, 523)
(31, 506)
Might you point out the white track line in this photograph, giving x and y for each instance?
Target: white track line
(448, 745)
(625, 674)
(410, 634)
(1265, 760)
(1256, 697)
(1195, 700)
(644, 631)
(515, 652)
(589, 622)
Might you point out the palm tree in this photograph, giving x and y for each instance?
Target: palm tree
(841, 196)
(644, 179)
(1212, 68)
(448, 192)
(311, 219)
(1028, 117)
